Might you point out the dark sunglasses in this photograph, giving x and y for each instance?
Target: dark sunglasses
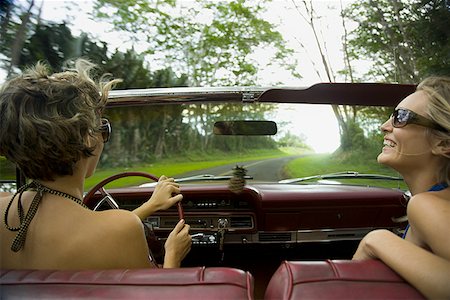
(105, 129)
(402, 116)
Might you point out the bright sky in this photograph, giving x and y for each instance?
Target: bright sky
(295, 31)
(316, 122)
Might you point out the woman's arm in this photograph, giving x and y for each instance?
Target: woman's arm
(123, 243)
(423, 259)
(429, 273)
(177, 245)
(161, 199)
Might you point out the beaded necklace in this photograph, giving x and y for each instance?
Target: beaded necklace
(25, 220)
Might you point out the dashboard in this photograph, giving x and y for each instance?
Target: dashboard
(275, 213)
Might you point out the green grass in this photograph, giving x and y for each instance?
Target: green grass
(313, 164)
(175, 166)
(7, 169)
(327, 163)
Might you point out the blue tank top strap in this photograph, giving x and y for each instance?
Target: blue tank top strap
(438, 187)
(434, 188)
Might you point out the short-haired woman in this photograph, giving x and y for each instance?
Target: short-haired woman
(52, 128)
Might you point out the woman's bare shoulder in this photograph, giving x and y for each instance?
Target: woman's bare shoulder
(5, 195)
(5, 198)
(118, 219)
(430, 204)
(4, 201)
(114, 230)
(429, 216)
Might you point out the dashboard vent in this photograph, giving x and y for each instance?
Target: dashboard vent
(275, 237)
(241, 222)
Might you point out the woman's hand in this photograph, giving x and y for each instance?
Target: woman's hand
(177, 245)
(162, 196)
(161, 199)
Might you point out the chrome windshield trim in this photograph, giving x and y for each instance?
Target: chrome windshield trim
(185, 91)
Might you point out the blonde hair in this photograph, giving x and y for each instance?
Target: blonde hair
(45, 119)
(437, 89)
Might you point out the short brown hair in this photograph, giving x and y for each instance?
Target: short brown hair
(45, 119)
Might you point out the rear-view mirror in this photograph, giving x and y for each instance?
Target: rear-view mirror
(245, 128)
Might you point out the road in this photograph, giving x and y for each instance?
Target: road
(260, 170)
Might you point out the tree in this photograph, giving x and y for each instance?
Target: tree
(137, 73)
(405, 39)
(211, 41)
(51, 43)
(347, 116)
(292, 140)
(16, 20)
(54, 44)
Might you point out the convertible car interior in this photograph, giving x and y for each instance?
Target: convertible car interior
(253, 238)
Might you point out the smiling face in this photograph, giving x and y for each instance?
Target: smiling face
(407, 148)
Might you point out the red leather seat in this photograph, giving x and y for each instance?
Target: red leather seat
(338, 279)
(183, 283)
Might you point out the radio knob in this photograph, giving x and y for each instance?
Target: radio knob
(202, 223)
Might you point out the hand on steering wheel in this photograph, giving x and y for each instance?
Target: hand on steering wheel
(88, 199)
(165, 195)
(163, 190)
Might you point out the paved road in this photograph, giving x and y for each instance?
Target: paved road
(260, 170)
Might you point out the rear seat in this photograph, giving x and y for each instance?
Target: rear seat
(338, 279)
(183, 283)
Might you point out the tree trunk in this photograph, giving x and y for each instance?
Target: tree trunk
(161, 143)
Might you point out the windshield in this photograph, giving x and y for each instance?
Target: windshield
(178, 140)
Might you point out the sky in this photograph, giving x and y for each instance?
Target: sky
(291, 25)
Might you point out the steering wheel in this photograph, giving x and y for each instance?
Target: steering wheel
(89, 202)
(154, 244)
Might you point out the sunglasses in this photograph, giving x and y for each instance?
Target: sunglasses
(105, 130)
(402, 116)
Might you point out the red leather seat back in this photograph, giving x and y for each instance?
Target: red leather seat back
(338, 279)
(183, 283)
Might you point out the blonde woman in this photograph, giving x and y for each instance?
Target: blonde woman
(417, 145)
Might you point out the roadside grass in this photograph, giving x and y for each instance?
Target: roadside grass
(7, 169)
(320, 164)
(174, 166)
(313, 164)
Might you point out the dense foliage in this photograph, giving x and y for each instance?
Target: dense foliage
(405, 39)
(145, 134)
(210, 41)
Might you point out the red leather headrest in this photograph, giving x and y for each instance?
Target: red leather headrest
(338, 279)
(182, 283)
